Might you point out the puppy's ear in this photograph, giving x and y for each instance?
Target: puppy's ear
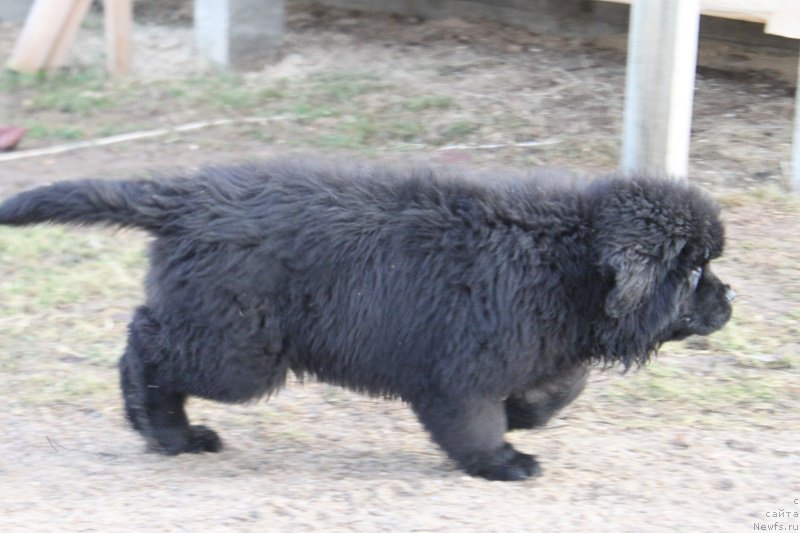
(640, 227)
(638, 273)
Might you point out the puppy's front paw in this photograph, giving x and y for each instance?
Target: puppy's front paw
(527, 463)
(507, 464)
(521, 466)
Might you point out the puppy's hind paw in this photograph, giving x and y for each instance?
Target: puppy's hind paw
(519, 466)
(191, 439)
(202, 439)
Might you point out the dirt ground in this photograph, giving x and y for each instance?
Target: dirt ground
(706, 438)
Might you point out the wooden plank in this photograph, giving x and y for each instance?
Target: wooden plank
(63, 44)
(662, 56)
(785, 22)
(781, 17)
(40, 35)
(119, 24)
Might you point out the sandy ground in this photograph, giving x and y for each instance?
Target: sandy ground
(316, 458)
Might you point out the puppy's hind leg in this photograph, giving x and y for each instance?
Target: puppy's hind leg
(471, 431)
(151, 407)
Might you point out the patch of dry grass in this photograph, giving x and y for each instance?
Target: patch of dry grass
(65, 298)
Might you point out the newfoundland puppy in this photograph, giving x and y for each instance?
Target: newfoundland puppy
(482, 301)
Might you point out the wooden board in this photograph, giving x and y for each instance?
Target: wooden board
(50, 30)
(69, 30)
(781, 17)
(43, 34)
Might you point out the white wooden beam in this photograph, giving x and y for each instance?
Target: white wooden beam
(662, 56)
(780, 17)
(63, 45)
(48, 30)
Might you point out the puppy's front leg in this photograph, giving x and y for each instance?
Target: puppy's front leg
(470, 430)
(534, 407)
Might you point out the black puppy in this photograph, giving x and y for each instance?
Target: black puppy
(482, 303)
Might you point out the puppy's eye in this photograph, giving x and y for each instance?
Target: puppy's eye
(694, 277)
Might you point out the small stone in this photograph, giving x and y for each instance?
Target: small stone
(724, 484)
(680, 441)
(739, 445)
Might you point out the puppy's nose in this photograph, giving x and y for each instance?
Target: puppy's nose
(730, 295)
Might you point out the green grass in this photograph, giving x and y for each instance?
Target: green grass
(72, 92)
(662, 383)
(214, 92)
(69, 105)
(44, 131)
(63, 289)
(72, 100)
(424, 103)
(69, 80)
(403, 130)
(458, 131)
(665, 395)
(767, 194)
(344, 110)
(345, 87)
(307, 111)
(744, 334)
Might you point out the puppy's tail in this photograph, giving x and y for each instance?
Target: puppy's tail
(143, 204)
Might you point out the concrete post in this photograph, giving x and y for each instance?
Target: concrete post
(15, 9)
(239, 34)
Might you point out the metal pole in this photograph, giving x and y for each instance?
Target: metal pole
(662, 56)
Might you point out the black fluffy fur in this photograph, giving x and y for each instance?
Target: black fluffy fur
(481, 301)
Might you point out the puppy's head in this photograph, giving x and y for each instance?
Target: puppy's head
(705, 306)
(653, 242)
